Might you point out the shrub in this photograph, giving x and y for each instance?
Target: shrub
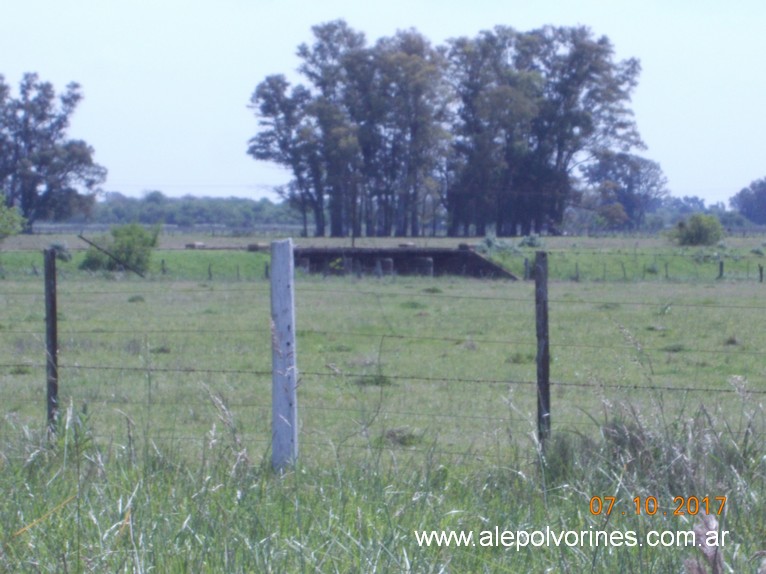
(129, 247)
(531, 241)
(699, 229)
(11, 221)
(492, 244)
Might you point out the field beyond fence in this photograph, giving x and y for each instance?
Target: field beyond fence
(657, 369)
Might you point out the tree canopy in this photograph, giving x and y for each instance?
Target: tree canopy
(751, 202)
(401, 136)
(42, 172)
(627, 186)
(10, 221)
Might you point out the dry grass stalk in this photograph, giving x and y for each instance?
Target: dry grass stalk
(712, 553)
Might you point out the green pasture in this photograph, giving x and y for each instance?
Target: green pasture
(417, 405)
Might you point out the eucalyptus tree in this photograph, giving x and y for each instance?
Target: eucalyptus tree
(415, 125)
(325, 65)
(289, 137)
(751, 201)
(495, 106)
(629, 182)
(583, 112)
(364, 134)
(532, 107)
(307, 128)
(489, 128)
(43, 173)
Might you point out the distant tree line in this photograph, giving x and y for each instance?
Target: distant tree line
(501, 131)
(157, 208)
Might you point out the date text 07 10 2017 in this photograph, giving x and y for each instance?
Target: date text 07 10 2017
(691, 505)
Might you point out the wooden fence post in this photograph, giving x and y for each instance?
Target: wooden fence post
(284, 399)
(543, 347)
(51, 339)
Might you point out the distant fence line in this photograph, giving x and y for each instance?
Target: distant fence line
(65, 369)
(279, 280)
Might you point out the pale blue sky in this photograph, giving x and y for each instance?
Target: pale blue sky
(167, 82)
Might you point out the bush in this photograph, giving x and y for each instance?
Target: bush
(491, 245)
(699, 229)
(531, 241)
(130, 247)
(11, 221)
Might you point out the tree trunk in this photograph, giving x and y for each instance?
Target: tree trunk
(414, 214)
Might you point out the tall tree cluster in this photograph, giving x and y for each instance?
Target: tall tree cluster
(751, 201)
(490, 132)
(43, 173)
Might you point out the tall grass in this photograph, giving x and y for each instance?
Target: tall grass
(72, 504)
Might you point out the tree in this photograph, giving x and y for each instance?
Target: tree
(363, 137)
(413, 129)
(489, 129)
(289, 137)
(325, 65)
(130, 246)
(497, 103)
(42, 172)
(11, 222)
(699, 229)
(583, 112)
(751, 202)
(631, 182)
(534, 106)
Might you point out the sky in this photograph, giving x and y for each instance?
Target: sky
(167, 83)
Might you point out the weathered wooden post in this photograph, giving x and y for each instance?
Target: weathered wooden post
(720, 269)
(284, 399)
(51, 339)
(760, 273)
(543, 347)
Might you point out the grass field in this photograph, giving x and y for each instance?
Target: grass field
(417, 405)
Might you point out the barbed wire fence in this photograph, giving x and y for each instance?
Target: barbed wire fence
(181, 385)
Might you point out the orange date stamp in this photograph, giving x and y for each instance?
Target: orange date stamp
(682, 506)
